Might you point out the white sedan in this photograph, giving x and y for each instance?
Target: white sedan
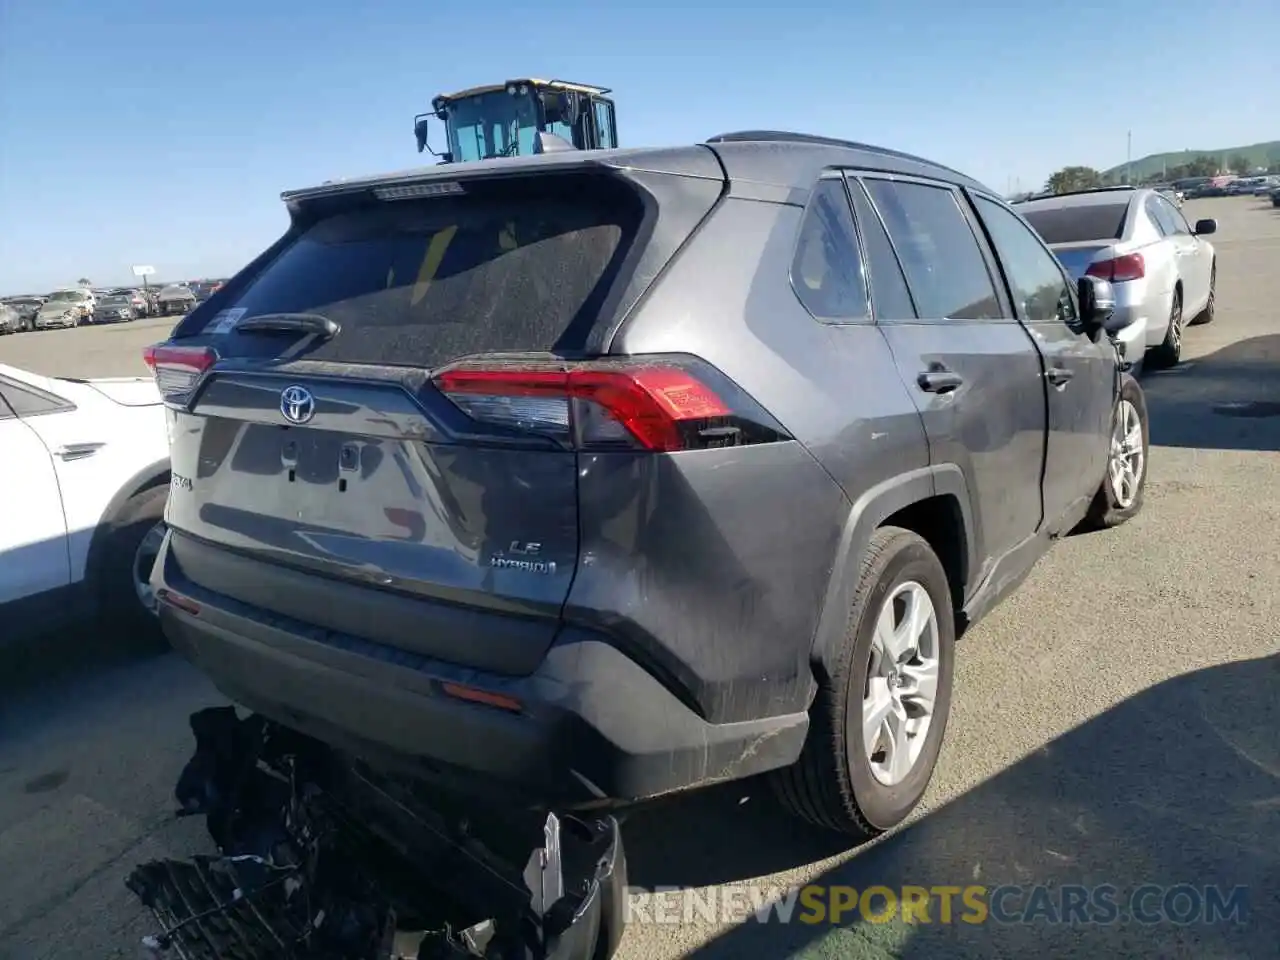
(84, 476)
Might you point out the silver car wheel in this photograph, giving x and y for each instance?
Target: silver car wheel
(1127, 461)
(902, 683)
(144, 559)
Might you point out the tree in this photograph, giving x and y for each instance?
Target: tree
(84, 282)
(1203, 166)
(1073, 178)
(1239, 163)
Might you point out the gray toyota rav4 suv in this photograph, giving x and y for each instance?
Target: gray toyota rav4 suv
(588, 477)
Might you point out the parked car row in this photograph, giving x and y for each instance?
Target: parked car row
(76, 306)
(1228, 186)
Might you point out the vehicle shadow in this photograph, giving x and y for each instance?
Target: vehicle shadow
(1180, 784)
(1226, 400)
(38, 659)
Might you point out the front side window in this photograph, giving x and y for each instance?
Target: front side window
(1040, 290)
(826, 270)
(1159, 219)
(944, 265)
(604, 122)
(494, 124)
(1174, 216)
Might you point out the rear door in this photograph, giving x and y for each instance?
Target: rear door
(320, 444)
(973, 370)
(1080, 372)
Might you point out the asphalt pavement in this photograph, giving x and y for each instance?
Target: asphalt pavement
(1114, 725)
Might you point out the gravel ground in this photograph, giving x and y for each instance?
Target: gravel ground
(1114, 723)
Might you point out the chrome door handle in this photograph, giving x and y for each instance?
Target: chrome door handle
(1059, 376)
(77, 451)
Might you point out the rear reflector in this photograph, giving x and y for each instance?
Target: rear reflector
(185, 604)
(1129, 267)
(484, 697)
(658, 404)
(178, 369)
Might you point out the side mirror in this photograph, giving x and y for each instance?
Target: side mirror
(1205, 227)
(1098, 306)
(420, 131)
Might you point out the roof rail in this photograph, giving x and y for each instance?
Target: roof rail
(787, 136)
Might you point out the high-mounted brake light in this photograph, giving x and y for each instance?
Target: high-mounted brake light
(656, 404)
(1131, 266)
(178, 369)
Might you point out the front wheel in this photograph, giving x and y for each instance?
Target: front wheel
(1119, 497)
(877, 724)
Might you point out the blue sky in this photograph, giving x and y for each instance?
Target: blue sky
(163, 132)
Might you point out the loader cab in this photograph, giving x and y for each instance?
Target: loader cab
(505, 120)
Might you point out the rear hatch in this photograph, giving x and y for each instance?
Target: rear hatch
(338, 456)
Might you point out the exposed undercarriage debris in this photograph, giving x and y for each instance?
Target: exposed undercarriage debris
(323, 858)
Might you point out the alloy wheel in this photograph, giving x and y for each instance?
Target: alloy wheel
(144, 559)
(902, 683)
(1128, 460)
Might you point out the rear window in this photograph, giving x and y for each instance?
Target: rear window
(422, 282)
(1094, 221)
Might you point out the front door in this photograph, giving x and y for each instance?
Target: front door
(1080, 372)
(1195, 260)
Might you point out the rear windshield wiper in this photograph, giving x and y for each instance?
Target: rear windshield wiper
(312, 323)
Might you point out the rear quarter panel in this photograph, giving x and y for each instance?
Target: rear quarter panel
(718, 562)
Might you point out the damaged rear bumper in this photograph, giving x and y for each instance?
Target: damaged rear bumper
(322, 858)
(590, 726)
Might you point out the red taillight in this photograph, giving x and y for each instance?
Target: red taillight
(651, 404)
(178, 369)
(1131, 266)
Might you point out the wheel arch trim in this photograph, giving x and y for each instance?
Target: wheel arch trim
(865, 515)
(152, 475)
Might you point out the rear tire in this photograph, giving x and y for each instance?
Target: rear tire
(836, 784)
(1120, 496)
(1169, 351)
(130, 537)
(1207, 314)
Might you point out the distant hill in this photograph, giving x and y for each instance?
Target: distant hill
(1259, 154)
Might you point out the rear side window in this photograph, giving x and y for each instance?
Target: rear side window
(29, 403)
(423, 282)
(944, 265)
(1078, 224)
(826, 270)
(890, 298)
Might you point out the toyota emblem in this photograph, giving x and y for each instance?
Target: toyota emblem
(297, 404)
